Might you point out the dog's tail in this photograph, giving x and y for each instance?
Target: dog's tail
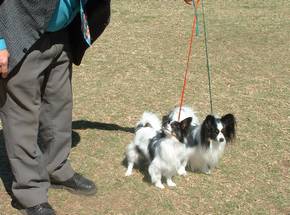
(149, 119)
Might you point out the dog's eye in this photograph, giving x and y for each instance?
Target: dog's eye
(217, 131)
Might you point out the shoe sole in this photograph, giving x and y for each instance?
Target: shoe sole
(23, 212)
(73, 191)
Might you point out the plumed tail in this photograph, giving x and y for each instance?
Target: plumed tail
(186, 112)
(149, 119)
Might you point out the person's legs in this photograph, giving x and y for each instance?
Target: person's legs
(56, 112)
(56, 119)
(23, 113)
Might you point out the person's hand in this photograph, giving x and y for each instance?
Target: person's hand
(4, 55)
(188, 1)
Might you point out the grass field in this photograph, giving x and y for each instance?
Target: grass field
(138, 65)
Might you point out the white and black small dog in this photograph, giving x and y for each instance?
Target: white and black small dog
(145, 130)
(163, 149)
(207, 139)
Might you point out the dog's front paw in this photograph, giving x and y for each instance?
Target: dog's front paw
(159, 185)
(182, 172)
(128, 173)
(206, 171)
(170, 183)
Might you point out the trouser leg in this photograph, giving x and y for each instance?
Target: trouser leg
(56, 117)
(27, 109)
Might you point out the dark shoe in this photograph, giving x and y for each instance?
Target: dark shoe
(77, 184)
(41, 209)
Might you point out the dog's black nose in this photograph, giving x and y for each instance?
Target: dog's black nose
(221, 139)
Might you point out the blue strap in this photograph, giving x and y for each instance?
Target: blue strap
(2, 44)
(84, 23)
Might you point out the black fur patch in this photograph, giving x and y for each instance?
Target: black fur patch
(165, 120)
(208, 130)
(154, 143)
(229, 124)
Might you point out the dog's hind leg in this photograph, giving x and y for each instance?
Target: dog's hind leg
(181, 170)
(132, 157)
(129, 169)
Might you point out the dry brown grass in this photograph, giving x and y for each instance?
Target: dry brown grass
(138, 65)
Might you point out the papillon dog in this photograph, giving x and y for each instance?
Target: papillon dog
(147, 128)
(162, 148)
(207, 140)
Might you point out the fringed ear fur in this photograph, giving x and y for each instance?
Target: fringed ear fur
(181, 129)
(165, 120)
(206, 127)
(229, 123)
(185, 124)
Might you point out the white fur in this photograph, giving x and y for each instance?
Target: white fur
(205, 159)
(170, 159)
(185, 112)
(152, 119)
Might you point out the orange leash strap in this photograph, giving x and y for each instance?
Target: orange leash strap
(187, 63)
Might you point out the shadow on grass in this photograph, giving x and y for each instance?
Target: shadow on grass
(84, 124)
(142, 167)
(5, 169)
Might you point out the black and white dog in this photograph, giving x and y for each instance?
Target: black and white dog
(163, 148)
(207, 140)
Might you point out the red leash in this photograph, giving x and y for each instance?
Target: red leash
(187, 64)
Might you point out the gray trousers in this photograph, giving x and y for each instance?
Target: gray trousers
(36, 114)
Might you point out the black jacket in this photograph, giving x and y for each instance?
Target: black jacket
(22, 22)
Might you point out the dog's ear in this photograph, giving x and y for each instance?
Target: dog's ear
(206, 129)
(185, 125)
(209, 122)
(165, 119)
(229, 123)
(174, 126)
